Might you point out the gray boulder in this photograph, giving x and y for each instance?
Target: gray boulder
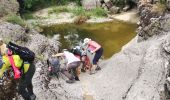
(8, 7)
(90, 4)
(114, 10)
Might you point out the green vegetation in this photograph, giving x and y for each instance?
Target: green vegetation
(36, 4)
(120, 3)
(79, 11)
(15, 20)
(59, 9)
(27, 15)
(99, 12)
(162, 1)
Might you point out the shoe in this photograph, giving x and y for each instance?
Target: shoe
(33, 97)
(77, 78)
(98, 68)
(70, 81)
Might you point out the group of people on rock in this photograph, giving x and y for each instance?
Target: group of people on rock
(74, 61)
(24, 70)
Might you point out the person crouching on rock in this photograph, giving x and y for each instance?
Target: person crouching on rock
(93, 47)
(72, 64)
(25, 87)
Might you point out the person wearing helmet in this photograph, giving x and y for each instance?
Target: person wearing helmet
(72, 64)
(93, 47)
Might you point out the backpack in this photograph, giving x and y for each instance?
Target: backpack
(53, 67)
(25, 53)
(76, 51)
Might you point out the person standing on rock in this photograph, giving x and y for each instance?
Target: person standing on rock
(93, 47)
(72, 64)
(26, 72)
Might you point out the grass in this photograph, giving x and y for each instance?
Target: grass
(98, 12)
(15, 19)
(58, 9)
(27, 15)
(79, 11)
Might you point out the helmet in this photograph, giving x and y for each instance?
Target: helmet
(86, 40)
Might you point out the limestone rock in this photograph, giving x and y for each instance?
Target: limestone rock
(90, 4)
(8, 6)
(114, 10)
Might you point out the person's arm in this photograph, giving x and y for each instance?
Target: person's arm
(97, 48)
(58, 54)
(95, 45)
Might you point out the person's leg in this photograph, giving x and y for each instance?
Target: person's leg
(96, 59)
(67, 74)
(30, 74)
(25, 85)
(83, 58)
(71, 77)
(75, 70)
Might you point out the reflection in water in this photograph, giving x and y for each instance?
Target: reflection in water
(111, 35)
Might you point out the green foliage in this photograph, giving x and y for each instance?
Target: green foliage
(79, 11)
(58, 9)
(27, 15)
(15, 20)
(99, 12)
(120, 3)
(94, 12)
(36, 4)
(162, 1)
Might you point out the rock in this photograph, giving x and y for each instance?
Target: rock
(106, 1)
(114, 10)
(8, 7)
(90, 4)
(126, 8)
(109, 4)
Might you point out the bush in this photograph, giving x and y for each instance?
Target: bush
(36, 4)
(78, 11)
(27, 15)
(15, 20)
(120, 3)
(94, 12)
(81, 19)
(99, 12)
(162, 1)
